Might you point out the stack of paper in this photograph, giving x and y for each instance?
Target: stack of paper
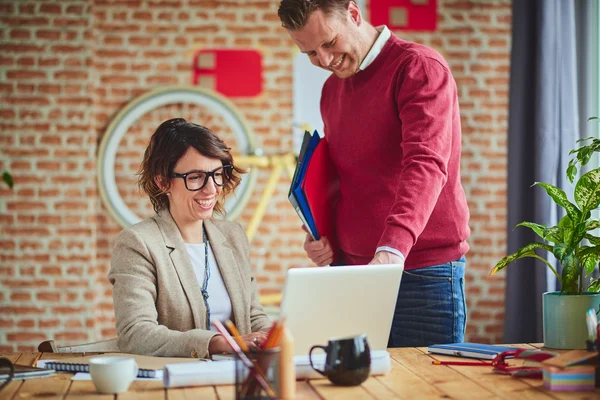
(314, 188)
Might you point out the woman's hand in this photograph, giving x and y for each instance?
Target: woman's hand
(218, 344)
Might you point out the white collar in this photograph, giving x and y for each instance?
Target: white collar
(383, 37)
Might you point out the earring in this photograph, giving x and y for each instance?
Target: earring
(168, 193)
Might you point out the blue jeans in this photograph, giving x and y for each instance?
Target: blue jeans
(431, 307)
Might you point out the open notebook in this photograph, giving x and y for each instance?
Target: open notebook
(148, 366)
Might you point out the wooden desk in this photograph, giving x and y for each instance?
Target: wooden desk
(412, 377)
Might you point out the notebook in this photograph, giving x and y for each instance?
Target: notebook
(148, 366)
(326, 302)
(469, 350)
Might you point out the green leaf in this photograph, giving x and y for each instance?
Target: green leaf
(537, 228)
(593, 239)
(561, 250)
(590, 262)
(592, 224)
(526, 251)
(570, 273)
(580, 141)
(594, 285)
(592, 118)
(554, 234)
(560, 198)
(587, 191)
(567, 226)
(7, 178)
(579, 233)
(571, 171)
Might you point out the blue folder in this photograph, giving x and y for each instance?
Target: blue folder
(296, 195)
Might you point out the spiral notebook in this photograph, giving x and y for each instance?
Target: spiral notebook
(148, 366)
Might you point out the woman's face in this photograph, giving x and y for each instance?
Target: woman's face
(189, 206)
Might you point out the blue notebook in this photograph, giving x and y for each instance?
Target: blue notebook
(469, 350)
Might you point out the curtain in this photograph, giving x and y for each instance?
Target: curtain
(543, 126)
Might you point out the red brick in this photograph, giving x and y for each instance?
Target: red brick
(20, 296)
(71, 336)
(26, 323)
(57, 271)
(20, 34)
(24, 336)
(6, 323)
(25, 75)
(50, 9)
(5, 310)
(53, 323)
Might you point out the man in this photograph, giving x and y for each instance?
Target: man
(392, 123)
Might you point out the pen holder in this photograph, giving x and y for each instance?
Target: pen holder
(261, 381)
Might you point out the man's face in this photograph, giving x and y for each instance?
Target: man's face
(332, 42)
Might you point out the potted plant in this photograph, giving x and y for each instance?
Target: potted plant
(577, 249)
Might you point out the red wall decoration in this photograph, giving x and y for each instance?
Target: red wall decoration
(233, 73)
(414, 15)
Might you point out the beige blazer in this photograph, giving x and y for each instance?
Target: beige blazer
(158, 304)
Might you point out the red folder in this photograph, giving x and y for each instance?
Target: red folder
(321, 187)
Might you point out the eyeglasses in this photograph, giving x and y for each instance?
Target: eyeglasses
(196, 180)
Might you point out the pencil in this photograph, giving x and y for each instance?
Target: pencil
(475, 364)
(237, 336)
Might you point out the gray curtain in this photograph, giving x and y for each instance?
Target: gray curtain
(542, 129)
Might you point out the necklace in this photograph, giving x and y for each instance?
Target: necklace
(204, 288)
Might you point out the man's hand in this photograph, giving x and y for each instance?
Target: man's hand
(385, 257)
(319, 251)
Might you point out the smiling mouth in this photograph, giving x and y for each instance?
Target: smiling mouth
(206, 204)
(338, 63)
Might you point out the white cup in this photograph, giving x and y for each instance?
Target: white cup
(113, 374)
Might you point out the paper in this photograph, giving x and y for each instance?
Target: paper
(223, 372)
(86, 376)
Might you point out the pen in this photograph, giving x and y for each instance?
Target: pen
(475, 364)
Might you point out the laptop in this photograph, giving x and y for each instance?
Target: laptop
(325, 302)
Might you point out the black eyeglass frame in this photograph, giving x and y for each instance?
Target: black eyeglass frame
(227, 171)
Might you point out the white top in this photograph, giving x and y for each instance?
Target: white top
(218, 298)
(384, 35)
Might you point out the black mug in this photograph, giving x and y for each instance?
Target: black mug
(348, 361)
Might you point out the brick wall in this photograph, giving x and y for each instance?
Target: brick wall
(67, 67)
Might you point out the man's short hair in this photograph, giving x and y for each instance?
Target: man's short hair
(294, 14)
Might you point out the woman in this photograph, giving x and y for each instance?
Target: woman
(175, 271)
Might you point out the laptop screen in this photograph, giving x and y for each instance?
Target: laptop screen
(325, 302)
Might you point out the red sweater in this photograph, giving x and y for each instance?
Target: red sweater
(394, 136)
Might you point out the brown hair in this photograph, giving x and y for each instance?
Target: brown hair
(167, 145)
(294, 14)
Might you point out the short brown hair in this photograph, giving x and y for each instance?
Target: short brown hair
(294, 14)
(167, 145)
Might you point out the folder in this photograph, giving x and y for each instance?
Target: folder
(314, 189)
